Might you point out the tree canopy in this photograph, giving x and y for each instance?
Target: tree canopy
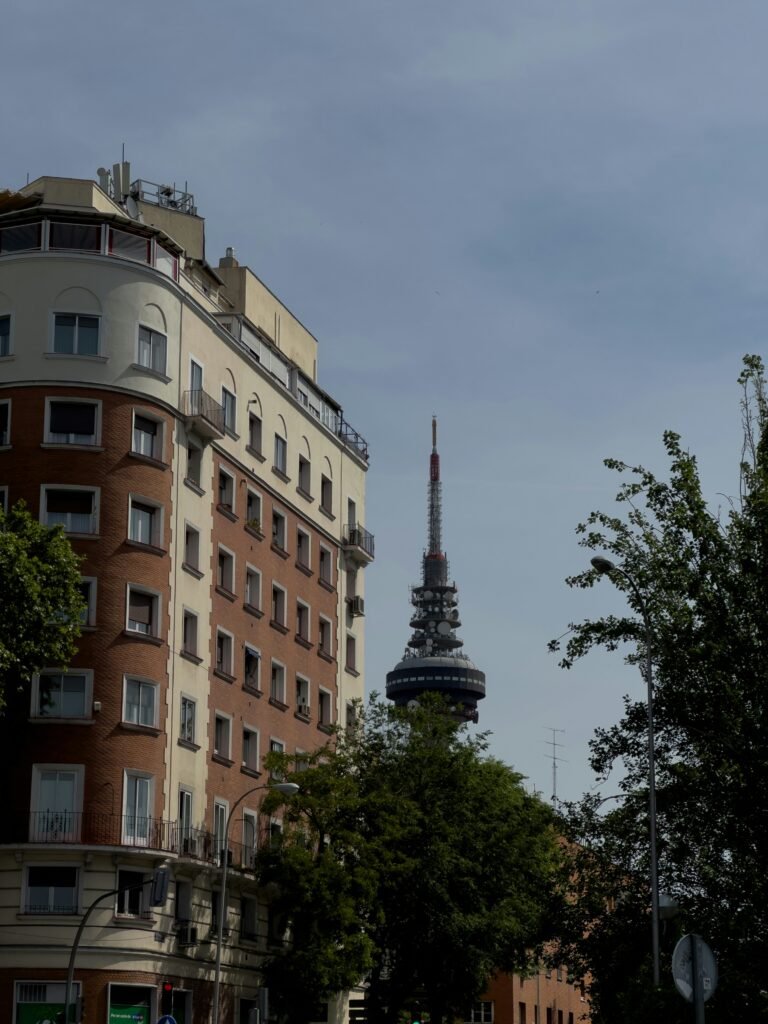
(42, 600)
(412, 859)
(702, 573)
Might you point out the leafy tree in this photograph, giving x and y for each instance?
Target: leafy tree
(412, 858)
(703, 575)
(42, 600)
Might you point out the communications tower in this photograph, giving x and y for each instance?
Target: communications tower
(434, 661)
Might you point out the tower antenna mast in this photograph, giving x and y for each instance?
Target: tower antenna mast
(555, 759)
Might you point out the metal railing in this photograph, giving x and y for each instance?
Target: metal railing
(356, 536)
(199, 403)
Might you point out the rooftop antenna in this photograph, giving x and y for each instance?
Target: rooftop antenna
(555, 759)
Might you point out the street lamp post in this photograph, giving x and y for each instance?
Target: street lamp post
(289, 789)
(605, 567)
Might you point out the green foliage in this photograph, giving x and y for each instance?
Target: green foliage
(42, 601)
(414, 859)
(703, 576)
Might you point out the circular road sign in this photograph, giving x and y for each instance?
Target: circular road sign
(682, 967)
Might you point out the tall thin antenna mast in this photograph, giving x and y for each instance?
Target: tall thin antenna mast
(555, 759)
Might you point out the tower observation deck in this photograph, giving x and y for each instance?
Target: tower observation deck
(434, 661)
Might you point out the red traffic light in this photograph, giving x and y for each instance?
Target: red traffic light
(166, 998)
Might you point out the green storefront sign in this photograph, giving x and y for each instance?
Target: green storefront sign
(120, 1013)
(38, 1013)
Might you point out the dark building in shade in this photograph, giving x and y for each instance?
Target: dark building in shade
(434, 661)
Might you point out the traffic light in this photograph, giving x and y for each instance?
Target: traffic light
(166, 998)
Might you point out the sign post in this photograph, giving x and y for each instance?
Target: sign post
(694, 969)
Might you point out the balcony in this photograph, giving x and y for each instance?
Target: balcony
(203, 414)
(357, 544)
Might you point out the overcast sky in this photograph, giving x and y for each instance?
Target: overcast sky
(542, 221)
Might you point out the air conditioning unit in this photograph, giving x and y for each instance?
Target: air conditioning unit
(304, 710)
(357, 606)
(189, 846)
(187, 935)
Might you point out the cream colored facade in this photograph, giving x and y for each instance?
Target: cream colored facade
(226, 340)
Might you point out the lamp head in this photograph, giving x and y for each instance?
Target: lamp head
(286, 788)
(602, 565)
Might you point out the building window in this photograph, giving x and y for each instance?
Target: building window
(326, 495)
(145, 523)
(278, 605)
(75, 334)
(326, 566)
(4, 498)
(224, 647)
(5, 424)
(182, 910)
(194, 465)
(140, 703)
(226, 491)
(249, 919)
(187, 722)
(253, 510)
(324, 636)
(225, 571)
(325, 708)
(147, 437)
(250, 749)
(305, 473)
(143, 612)
(152, 349)
(132, 898)
(251, 668)
(88, 591)
(72, 422)
(138, 807)
(302, 621)
(303, 548)
(189, 633)
(76, 509)
(254, 433)
(51, 890)
(351, 662)
(253, 588)
(220, 812)
(277, 683)
(56, 803)
(222, 736)
(281, 455)
(191, 547)
(302, 695)
(185, 815)
(481, 1013)
(5, 335)
(77, 237)
(62, 695)
(229, 404)
(279, 532)
(351, 513)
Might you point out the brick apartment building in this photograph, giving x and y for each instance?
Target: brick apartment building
(168, 414)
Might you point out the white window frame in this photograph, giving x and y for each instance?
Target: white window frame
(157, 526)
(303, 692)
(186, 699)
(158, 443)
(253, 764)
(351, 639)
(231, 489)
(279, 528)
(304, 474)
(254, 504)
(142, 682)
(303, 611)
(255, 433)
(75, 353)
(5, 441)
(137, 839)
(162, 340)
(252, 573)
(87, 715)
(325, 621)
(54, 992)
(275, 664)
(229, 651)
(190, 528)
(95, 505)
(325, 552)
(154, 630)
(89, 619)
(220, 816)
(222, 716)
(67, 822)
(276, 605)
(255, 652)
(192, 446)
(326, 494)
(322, 693)
(194, 362)
(280, 462)
(54, 439)
(222, 576)
(303, 536)
(229, 405)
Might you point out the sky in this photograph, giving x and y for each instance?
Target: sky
(541, 221)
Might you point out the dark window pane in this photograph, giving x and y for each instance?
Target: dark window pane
(74, 236)
(73, 418)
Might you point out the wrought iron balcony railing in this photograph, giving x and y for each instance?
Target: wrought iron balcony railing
(204, 412)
